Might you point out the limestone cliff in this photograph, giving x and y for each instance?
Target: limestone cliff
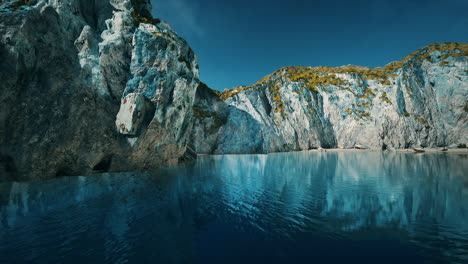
(67, 66)
(91, 85)
(421, 100)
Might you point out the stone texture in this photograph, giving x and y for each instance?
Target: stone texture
(65, 67)
(421, 101)
(134, 111)
(164, 69)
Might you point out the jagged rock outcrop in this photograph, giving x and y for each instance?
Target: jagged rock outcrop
(134, 115)
(92, 85)
(220, 125)
(67, 66)
(421, 101)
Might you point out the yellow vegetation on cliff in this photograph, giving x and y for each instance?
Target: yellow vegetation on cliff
(200, 113)
(319, 78)
(384, 98)
(358, 114)
(274, 89)
(455, 49)
(138, 16)
(170, 38)
(228, 93)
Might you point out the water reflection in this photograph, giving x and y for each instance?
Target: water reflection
(332, 205)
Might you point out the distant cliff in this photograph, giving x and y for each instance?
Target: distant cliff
(420, 101)
(91, 86)
(66, 69)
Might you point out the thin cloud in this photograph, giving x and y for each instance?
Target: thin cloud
(181, 14)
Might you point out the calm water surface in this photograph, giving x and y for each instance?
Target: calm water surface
(279, 208)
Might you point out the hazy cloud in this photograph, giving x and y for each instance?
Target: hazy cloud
(182, 15)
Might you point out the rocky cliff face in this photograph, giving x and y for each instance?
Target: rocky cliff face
(91, 85)
(421, 100)
(66, 69)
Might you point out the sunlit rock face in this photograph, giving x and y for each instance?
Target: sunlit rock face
(212, 115)
(420, 101)
(164, 70)
(134, 109)
(66, 67)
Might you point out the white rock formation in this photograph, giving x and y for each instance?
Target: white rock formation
(64, 68)
(132, 113)
(421, 101)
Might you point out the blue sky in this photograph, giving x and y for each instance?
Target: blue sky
(240, 41)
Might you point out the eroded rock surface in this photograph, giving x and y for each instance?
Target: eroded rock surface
(103, 86)
(134, 111)
(65, 68)
(420, 101)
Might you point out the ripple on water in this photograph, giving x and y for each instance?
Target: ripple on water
(287, 207)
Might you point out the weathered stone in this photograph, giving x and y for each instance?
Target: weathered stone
(134, 110)
(420, 101)
(65, 65)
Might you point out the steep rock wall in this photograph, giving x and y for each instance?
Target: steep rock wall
(421, 101)
(67, 66)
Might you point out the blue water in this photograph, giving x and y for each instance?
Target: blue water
(278, 208)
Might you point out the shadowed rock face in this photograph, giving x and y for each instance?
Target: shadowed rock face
(68, 69)
(421, 101)
(65, 67)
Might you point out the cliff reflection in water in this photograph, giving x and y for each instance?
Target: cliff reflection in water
(278, 204)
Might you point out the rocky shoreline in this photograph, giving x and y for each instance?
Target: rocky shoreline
(418, 102)
(426, 150)
(409, 151)
(102, 86)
